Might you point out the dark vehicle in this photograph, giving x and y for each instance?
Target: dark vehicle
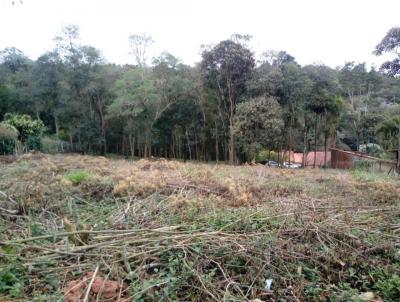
(272, 163)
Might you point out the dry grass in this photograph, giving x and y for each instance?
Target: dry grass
(170, 231)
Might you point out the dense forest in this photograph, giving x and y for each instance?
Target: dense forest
(230, 106)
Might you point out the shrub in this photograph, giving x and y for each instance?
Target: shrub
(265, 155)
(386, 284)
(363, 165)
(78, 176)
(10, 281)
(53, 145)
(34, 143)
(8, 138)
(373, 149)
(29, 130)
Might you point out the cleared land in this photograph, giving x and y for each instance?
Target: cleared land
(95, 229)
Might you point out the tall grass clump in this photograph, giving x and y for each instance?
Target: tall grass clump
(78, 176)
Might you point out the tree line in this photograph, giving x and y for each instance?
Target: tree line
(228, 107)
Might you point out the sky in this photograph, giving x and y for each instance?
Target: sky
(313, 31)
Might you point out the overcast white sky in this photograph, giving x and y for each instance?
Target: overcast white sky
(327, 31)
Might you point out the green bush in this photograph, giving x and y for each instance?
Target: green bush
(387, 285)
(8, 138)
(10, 281)
(363, 165)
(53, 145)
(34, 143)
(78, 176)
(29, 130)
(373, 149)
(265, 155)
(7, 146)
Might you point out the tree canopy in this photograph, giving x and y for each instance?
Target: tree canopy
(229, 106)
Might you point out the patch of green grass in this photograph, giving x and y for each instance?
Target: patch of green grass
(363, 175)
(387, 284)
(10, 281)
(78, 176)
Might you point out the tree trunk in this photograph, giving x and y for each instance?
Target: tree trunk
(132, 145)
(103, 134)
(315, 139)
(325, 138)
(398, 149)
(326, 147)
(57, 125)
(147, 144)
(305, 147)
(216, 143)
(356, 127)
(188, 144)
(231, 145)
(290, 138)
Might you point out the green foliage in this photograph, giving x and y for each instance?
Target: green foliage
(170, 109)
(37, 229)
(34, 143)
(29, 130)
(53, 145)
(26, 126)
(373, 150)
(389, 129)
(78, 176)
(363, 165)
(8, 138)
(365, 174)
(166, 281)
(226, 68)
(8, 131)
(6, 100)
(258, 124)
(265, 155)
(313, 293)
(390, 43)
(386, 284)
(10, 281)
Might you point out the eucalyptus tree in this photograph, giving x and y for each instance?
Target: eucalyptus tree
(176, 88)
(296, 88)
(7, 100)
(136, 101)
(227, 67)
(326, 107)
(323, 102)
(361, 89)
(48, 75)
(280, 76)
(13, 60)
(139, 44)
(390, 44)
(100, 95)
(83, 116)
(16, 80)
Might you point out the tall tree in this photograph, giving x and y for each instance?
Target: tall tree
(48, 77)
(258, 124)
(390, 43)
(227, 68)
(139, 44)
